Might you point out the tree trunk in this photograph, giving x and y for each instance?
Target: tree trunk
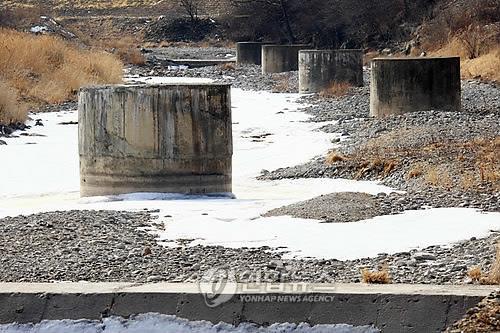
(286, 19)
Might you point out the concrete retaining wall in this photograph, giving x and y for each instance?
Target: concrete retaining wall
(400, 85)
(281, 58)
(164, 138)
(319, 69)
(392, 308)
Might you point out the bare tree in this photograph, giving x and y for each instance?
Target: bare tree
(191, 8)
(280, 7)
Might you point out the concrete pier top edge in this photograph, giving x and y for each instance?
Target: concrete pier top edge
(155, 85)
(330, 50)
(285, 45)
(415, 58)
(242, 289)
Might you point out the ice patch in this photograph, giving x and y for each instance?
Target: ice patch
(269, 132)
(155, 323)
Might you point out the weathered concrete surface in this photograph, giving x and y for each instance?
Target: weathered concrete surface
(319, 69)
(401, 85)
(281, 58)
(163, 138)
(392, 308)
(249, 53)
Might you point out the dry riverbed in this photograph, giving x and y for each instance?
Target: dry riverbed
(431, 155)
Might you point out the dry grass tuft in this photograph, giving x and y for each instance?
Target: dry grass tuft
(45, 69)
(336, 90)
(11, 110)
(486, 65)
(438, 177)
(228, 66)
(125, 48)
(415, 172)
(376, 277)
(378, 165)
(493, 277)
(334, 157)
(475, 274)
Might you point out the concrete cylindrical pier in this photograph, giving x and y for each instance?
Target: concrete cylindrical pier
(400, 85)
(249, 53)
(318, 69)
(160, 138)
(281, 58)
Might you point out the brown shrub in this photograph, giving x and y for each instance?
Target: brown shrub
(125, 48)
(475, 274)
(228, 66)
(11, 110)
(493, 276)
(379, 165)
(376, 277)
(334, 157)
(45, 69)
(486, 66)
(438, 177)
(415, 171)
(336, 90)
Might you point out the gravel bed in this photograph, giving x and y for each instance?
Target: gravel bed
(247, 77)
(190, 52)
(114, 246)
(347, 207)
(401, 139)
(337, 208)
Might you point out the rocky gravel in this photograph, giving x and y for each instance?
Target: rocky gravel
(189, 52)
(347, 207)
(449, 144)
(248, 77)
(116, 246)
(341, 207)
(483, 318)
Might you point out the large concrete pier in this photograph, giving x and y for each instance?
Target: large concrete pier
(161, 138)
(400, 85)
(319, 69)
(281, 58)
(249, 53)
(391, 308)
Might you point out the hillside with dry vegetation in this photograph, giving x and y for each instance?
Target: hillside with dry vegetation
(35, 70)
(82, 4)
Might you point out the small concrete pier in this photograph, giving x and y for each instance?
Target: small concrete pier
(249, 53)
(157, 138)
(319, 69)
(400, 85)
(281, 58)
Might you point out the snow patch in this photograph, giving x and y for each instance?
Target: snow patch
(269, 132)
(156, 323)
